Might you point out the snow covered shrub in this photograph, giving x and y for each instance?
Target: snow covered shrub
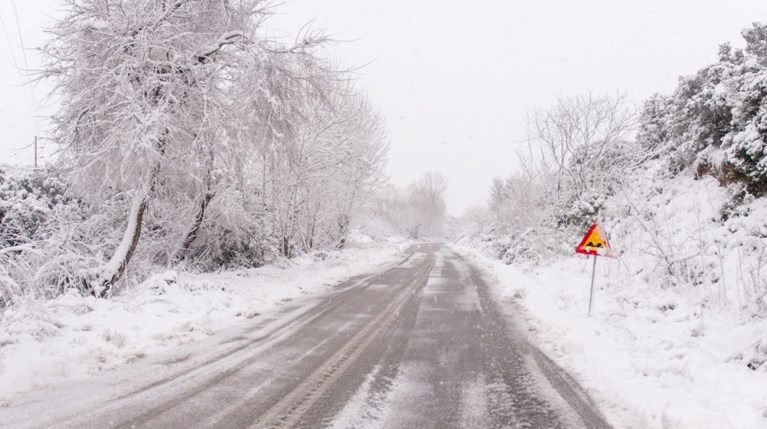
(26, 199)
(653, 131)
(755, 357)
(716, 119)
(115, 337)
(521, 248)
(737, 205)
(240, 247)
(36, 216)
(581, 212)
(9, 289)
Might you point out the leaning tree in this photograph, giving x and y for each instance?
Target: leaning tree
(141, 85)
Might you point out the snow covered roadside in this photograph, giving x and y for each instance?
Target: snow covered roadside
(73, 337)
(647, 356)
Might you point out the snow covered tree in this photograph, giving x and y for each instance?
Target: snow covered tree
(386, 211)
(426, 205)
(317, 145)
(347, 166)
(144, 85)
(578, 136)
(578, 150)
(189, 138)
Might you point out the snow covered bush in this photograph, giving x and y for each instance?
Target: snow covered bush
(34, 205)
(716, 119)
(26, 199)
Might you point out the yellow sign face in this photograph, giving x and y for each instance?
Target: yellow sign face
(594, 240)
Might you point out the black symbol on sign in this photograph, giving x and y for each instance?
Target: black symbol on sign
(590, 244)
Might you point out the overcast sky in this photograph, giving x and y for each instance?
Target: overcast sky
(454, 79)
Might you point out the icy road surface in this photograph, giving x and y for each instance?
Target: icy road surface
(418, 345)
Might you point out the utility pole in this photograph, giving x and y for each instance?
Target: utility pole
(35, 152)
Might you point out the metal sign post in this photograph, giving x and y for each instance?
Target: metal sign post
(593, 274)
(594, 243)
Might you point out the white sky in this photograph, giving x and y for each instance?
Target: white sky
(455, 79)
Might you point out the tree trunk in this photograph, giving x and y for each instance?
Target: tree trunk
(286, 247)
(115, 268)
(345, 220)
(343, 226)
(193, 232)
(207, 195)
(312, 230)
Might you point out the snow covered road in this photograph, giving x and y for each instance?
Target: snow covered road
(420, 344)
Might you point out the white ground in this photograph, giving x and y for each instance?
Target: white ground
(44, 344)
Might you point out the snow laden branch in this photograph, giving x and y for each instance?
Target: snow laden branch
(21, 248)
(226, 39)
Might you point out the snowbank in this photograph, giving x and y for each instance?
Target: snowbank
(42, 343)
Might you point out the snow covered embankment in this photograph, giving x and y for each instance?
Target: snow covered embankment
(674, 342)
(42, 343)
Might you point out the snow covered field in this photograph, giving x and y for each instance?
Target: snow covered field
(72, 337)
(676, 339)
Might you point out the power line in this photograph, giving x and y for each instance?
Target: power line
(35, 112)
(29, 94)
(15, 63)
(23, 147)
(21, 38)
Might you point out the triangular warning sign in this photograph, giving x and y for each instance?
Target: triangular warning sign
(595, 242)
